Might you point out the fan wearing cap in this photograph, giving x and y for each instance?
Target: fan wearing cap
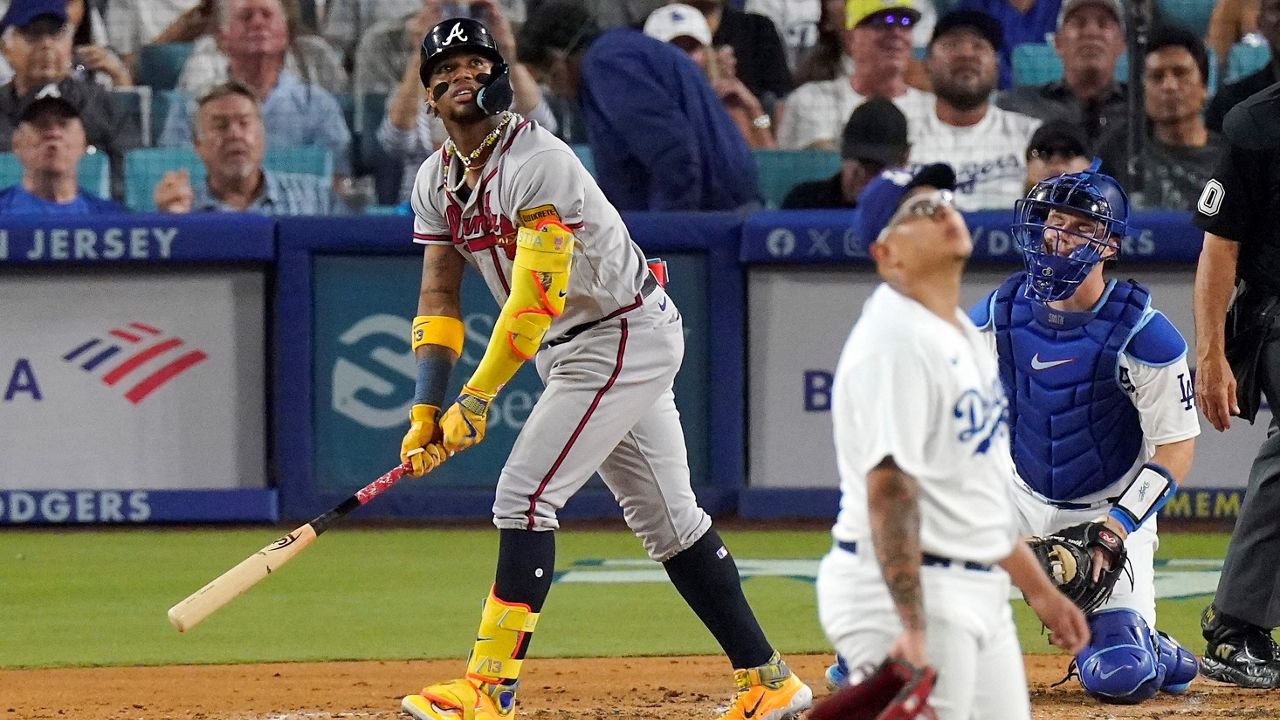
(1090, 41)
(751, 45)
(926, 542)
(1056, 148)
(686, 28)
(1022, 22)
(1179, 152)
(878, 41)
(874, 140)
(37, 38)
(49, 143)
(982, 142)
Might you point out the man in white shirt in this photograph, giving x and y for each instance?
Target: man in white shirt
(878, 41)
(983, 143)
(926, 541)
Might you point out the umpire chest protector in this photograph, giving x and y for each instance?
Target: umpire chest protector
(1073, 429)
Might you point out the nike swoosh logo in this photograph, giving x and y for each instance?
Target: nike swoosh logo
(1113, 671)
(663, 305)
(752, 712)
(1038, 364)
(564, 293)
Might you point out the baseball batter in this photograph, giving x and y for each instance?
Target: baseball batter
(1100, 413)
(509, 199)
(926, 543)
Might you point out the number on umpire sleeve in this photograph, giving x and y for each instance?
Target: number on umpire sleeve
(1211, 198)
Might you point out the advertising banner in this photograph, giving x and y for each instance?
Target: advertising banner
(364, 371)
(125, 380)
(800, 318)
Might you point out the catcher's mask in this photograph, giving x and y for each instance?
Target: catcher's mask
(457, 35)
(1059, 258)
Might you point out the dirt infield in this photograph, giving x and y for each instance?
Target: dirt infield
(588, 689)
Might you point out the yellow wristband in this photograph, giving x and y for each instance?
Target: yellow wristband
(438, 330)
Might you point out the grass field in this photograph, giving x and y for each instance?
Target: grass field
(87, 598)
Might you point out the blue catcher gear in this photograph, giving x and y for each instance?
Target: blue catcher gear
(1059, 257)
(1127, 662)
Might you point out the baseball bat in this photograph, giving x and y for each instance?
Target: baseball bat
(227, 586)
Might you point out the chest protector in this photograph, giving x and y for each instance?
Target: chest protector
(1072, 428)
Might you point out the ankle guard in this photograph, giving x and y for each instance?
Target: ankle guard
(503, 627)
(771, 674)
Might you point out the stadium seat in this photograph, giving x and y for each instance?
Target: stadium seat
(781, 170)
(93, 174)
(161, 100)
(1190, 14)
(160, 65)
(583, 151)
(1246, 60)
(144, 168)
(135, 102)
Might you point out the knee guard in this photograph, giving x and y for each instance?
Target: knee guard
(1120, 663)
(504, 629)
(1180, 666)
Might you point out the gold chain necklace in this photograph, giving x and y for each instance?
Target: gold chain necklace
(469, 160)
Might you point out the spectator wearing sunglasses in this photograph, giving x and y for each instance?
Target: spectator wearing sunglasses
(877, 39)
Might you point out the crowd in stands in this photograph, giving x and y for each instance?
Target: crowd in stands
(316, 107)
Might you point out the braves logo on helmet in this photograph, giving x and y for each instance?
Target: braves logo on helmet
(460, 35)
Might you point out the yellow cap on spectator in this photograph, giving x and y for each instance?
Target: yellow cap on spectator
(857, 11)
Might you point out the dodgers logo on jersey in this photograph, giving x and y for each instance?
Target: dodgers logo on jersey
(981, 416)
(1187, 390)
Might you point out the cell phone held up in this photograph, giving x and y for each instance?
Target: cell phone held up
(462, 9)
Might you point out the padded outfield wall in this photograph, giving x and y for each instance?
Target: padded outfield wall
(233, 368)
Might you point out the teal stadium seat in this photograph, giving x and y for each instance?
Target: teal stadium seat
(160, 65)
(1038, 63)
(1246, 60)
(1190, 14)
(144, 168)
(93, 174)
(781, 170)
(585, 157)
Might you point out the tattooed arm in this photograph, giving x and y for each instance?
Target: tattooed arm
(894, 511)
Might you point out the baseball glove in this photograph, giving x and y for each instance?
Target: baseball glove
(893, 691)
(1066, 556)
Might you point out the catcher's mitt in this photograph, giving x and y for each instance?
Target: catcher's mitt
(1066, 556)
(893, 691)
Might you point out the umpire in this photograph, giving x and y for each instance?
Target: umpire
(1237, 359)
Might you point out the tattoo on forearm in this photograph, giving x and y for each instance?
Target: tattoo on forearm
(894, 512)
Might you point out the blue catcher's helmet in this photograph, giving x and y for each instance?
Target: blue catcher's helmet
(1059, 258)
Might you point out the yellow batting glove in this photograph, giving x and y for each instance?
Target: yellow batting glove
(424, 429)
(424, 460)
(462, 425)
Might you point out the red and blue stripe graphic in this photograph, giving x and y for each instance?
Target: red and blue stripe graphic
(150, 344)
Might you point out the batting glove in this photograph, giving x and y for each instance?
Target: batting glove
(463, 423)
(424, 431)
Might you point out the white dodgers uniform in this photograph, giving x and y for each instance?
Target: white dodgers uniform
(608, 361)
(919, 389)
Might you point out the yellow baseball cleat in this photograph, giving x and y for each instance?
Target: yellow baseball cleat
(461, 700)
(768, 692)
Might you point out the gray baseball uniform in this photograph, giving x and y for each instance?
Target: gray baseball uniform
(608, 362)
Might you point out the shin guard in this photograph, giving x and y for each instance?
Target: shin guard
(504, 630)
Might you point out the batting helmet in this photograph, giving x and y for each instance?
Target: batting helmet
(464, 34)
(1058, 259)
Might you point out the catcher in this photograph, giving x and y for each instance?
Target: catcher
(1102, 425)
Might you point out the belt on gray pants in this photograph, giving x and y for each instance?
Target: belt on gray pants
(925, 559)
(646, 289)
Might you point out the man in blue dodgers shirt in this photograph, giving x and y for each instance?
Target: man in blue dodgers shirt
(49, 142)
(1101, 413)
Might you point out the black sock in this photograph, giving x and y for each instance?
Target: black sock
(526, 565)
(707, 578)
